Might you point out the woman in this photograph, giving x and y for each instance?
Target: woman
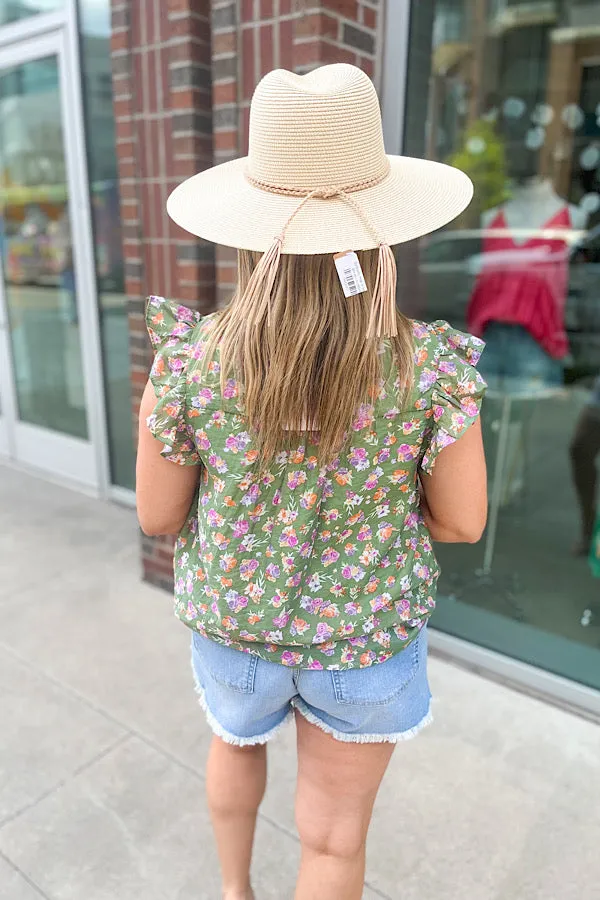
(315, 432)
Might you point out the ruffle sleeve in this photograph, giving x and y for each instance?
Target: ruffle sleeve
(171, 327)
(458, 390)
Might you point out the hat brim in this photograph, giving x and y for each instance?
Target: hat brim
(417, 197)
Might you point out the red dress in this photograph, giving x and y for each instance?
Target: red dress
(524, 284)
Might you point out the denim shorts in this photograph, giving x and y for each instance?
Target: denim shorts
(246, 699)
(514, 363)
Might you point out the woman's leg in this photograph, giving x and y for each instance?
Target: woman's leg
(337, 786)
(235, 784)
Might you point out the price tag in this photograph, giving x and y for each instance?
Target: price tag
(350, 273)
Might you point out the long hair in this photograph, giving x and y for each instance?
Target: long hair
(302, 357)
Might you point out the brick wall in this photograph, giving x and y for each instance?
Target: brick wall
(184, 72)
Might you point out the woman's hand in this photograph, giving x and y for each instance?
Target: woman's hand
(164, 490)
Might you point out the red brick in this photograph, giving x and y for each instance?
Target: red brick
(285, 7)
(123, 108)
(331, 54)
(367, 65)
(151, 81)
(224, 42)
(369, 17)
(226, 92)
(305, 54)
(346, 8)
(266, 49)
(119, 41)
(225, 140)
(286, 45)
(317, 24)
(248, 79)
(247, 10)
(245, 124)
(185, 99)
(266, 9)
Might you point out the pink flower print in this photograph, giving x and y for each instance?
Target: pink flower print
(236, 602)
(299, 626)
(202, 441)
(365, 533)
(355, 573)
(469, 406)
(191, 611)
(401, 632)
(294, 580)
(410, 427)
(312, 605)
(227, 562)
(295, 479)
(306, 549)
(314, 582)
(427, 380)
(420, 330)
(251, 496)
(458, 422)
(438, 412)
(255, 592)
(338, 590)
(346, 629)
(353, 608)
(248, 568)
(382, 638)
(369, 624)
(347, 656)
(229, 623)
(282, 619)
(403, 609)
(315, 665)
(447, 366)
(406, 453)
(384, 531)
(272, 572)
(288, 563)
(382, 457)
(218, 419)
(369, 555)
(373, 480)
(358, 641)
(329, 556)
(230, 389)
(277, 497)
(292, 658)
(203, 398)
(240, 527)
(350, 549)
(413, 543)
(328, 648)
(359, 458)
(367, 659)
(175, 365)
(364, 417)
(288, 538)
(411, 521)
(218, 463)
(421, 403)
(214, 519)
(383, 601)
(287, 516)
(421, 571)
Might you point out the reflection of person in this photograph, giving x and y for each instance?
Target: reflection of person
(306, 549)
(585, 451)
(519, 298)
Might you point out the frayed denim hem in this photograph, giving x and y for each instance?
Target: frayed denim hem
(393, 738)
(227, 736)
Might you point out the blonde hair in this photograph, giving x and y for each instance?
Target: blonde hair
(301, 356)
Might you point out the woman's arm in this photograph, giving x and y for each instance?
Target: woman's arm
(454, 497)
(164, 490)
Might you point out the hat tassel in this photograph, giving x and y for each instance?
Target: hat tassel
(260, 284)
(384, 321)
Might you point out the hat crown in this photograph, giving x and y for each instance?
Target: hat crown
(316, 131)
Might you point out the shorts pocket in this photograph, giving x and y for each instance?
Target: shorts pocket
(224, 665)
(380, 683)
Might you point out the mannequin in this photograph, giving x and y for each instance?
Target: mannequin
(534, 203)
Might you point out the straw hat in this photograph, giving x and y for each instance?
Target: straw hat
(317, 180)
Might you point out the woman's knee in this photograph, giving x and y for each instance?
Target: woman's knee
(337, 836)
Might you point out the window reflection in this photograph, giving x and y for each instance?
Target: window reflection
(514, 100)
(14, 10)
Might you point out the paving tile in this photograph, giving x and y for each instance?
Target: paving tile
(135, 825)
(46, 734)
(13, 886)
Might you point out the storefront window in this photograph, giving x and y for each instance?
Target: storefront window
(15, 10)
(510, 93)
(102, 165)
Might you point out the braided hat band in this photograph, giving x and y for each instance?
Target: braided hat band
(383, 319)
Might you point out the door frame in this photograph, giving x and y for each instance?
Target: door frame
(84, 462)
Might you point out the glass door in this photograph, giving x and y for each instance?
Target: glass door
(46, 326)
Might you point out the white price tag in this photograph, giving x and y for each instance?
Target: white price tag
(350, 273)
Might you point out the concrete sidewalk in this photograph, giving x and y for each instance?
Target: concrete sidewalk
(102, 748)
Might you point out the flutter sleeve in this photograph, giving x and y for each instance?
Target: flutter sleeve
(458, 390)
(171, 328)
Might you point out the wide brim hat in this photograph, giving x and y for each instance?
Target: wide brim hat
(317, 177)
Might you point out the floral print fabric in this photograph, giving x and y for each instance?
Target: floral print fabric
(320, 567)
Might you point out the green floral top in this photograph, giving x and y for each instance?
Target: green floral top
(319, 567)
